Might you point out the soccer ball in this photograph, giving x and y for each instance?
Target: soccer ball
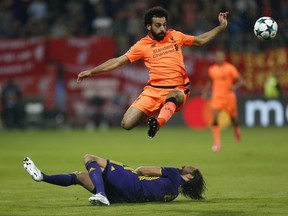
(265, 28)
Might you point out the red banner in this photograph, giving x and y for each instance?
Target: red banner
(77, 54)
(24, 61)
(19, 57)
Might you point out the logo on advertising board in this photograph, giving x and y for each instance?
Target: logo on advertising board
(265, 112)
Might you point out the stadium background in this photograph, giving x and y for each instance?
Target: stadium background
(44, 44)
(43, 56)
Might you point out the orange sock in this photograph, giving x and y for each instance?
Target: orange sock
(236, 129)
(166, 113)
(216, 134)
(237, 133)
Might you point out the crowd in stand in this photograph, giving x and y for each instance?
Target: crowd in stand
(123, 18)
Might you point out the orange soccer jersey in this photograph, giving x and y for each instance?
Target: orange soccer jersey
(223, 78)
(164, 59)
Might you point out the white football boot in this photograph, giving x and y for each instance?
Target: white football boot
(33, 171)
(99, 199)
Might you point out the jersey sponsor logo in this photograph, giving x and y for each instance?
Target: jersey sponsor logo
(141, 178)
(112, 168)
(163, 51)
(176, 47)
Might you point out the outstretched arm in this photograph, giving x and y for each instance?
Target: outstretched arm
(109, 65)
(239, 82)
(208, 36)
(149, 171)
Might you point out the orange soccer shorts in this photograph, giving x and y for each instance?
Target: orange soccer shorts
(152, 99)
(227, 103)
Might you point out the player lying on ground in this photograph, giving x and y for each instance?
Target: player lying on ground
(161, 51)
(114, 182)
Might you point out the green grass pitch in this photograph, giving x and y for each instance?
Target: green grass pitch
(250, 178)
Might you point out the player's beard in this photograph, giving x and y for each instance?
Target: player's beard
(160, 36)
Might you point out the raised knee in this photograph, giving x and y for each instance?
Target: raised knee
(125, 125)
(78, 174)
(87, 157)
(81, 176)
(173, 100)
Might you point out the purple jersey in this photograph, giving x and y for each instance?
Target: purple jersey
(122, 184)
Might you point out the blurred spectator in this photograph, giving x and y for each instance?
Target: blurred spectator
(102, 23)
(59, 28)
(9, 26)
(12, 110)
(32, 18)
(95, 110)
(114, 109)
(272, 88)
(38, 9)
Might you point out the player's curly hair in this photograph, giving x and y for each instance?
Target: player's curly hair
(154, 12)
(194, 188)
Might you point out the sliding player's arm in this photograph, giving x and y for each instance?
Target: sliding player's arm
(149, 171)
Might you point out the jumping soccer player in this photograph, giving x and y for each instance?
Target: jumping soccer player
(114, 182)
(224, 79)
(161, 51)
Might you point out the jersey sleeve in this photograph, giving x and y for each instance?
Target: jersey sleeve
(135, 52)
(172, 174)
(210, 71)
(187, 40)
(169, 172)
(234, 71)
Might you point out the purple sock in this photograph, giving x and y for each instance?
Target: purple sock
(95, 174)
(61, 179)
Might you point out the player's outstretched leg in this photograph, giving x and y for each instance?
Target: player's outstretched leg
(99, 199)
(33, 171)
(216, 147)
(95, 175)
(237, 134)
(153, 126)
(216, 137)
